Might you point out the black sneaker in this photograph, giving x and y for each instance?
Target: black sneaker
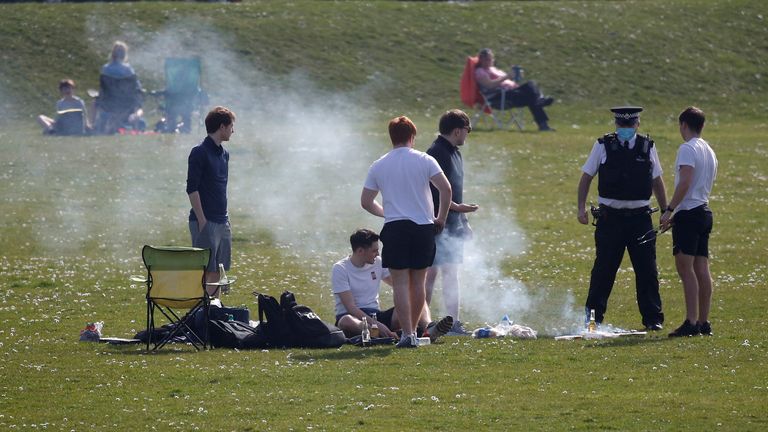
(654, 327)
(687, 329)
(545, 101)
(546, 128)
(705, 328)
(435, 329)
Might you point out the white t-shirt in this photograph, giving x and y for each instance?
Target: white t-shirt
(698, 154)
(598, 157)
(362, 281)
(402, 176)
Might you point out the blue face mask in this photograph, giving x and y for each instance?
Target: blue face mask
(625, 134)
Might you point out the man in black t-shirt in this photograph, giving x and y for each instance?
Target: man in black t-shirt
(454, 128)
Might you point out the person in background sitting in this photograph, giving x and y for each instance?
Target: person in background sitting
(514, 94)
(119, 104)
(71, 117)
(118, 66)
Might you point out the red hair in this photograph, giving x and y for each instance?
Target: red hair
(401, 130)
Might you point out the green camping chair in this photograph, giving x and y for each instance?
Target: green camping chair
(176, 283)
(182, 94)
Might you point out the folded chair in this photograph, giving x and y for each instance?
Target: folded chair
(176, 287)
(182, 94)
(481, 100)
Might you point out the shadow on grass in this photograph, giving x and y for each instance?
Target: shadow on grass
(348, 352)
(300, 354)
(627, 341)
(141, 349)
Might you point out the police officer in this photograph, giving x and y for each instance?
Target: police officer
(628, 171)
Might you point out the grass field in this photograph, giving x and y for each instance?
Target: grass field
(75, 213)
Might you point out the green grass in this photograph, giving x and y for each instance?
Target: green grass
(410, 54)
(75, 213)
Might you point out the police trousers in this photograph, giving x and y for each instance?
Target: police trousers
(616, 231)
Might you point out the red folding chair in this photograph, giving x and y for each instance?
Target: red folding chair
(474, 97)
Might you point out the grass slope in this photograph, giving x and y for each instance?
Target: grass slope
(74, 213)
(588, 54)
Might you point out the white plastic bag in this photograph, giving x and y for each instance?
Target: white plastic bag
(505, 328)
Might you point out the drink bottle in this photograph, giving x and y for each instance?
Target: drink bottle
(374, 326)
(517, 73)
(592, 326)
(366, 333)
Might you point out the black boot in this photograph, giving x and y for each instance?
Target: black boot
(545, 101)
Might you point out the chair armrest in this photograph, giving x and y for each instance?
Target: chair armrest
(489, 92)
(228, 281)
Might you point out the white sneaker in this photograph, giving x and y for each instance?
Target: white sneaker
(408, 342)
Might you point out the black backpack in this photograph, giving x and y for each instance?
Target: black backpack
(307, 329)
(274, 328)
(289, 324)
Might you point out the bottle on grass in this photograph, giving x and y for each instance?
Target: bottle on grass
(592, 326)
(366, 332)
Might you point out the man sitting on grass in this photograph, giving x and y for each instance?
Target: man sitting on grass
(356, 280)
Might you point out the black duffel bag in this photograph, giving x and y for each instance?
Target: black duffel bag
(234, 334)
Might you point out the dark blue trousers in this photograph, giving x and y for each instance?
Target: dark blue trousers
(617, 231)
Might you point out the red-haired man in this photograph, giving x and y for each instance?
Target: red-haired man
(403, 176)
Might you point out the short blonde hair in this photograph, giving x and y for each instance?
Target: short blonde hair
(119, 51)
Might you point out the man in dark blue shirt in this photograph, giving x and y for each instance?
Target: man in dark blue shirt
(454, 128)
(207, 175)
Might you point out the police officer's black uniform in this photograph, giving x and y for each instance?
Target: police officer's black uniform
(626, 175)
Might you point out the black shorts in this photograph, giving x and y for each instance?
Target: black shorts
(407, 245)
(384, 317)
(690, 231)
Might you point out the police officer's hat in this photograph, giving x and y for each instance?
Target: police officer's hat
(626, 114)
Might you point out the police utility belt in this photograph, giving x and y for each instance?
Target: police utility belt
(605, 212)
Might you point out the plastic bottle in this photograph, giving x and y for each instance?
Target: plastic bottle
(517, 73)
(374, 326)
(592, 326)
(504, 326)
(366, 334)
